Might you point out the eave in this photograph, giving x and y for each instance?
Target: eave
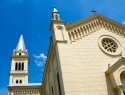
(96, 16)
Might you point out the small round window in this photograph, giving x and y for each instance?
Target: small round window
(109, 45)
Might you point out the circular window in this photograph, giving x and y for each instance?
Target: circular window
(109, 45)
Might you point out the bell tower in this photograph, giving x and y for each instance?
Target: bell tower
(57, 26)
(19, 64)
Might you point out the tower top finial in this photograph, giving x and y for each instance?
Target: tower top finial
(54, 6)
(94, 11)
(21, 44)
(55, 14)
(55, 10)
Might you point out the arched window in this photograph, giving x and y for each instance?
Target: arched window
(16, 66)
(22, 66)
(52, 90)
(19, 68)
(122, 78)
(19, 54)
(56, 17)
(20, 82)
(16, 81)
(59, 86)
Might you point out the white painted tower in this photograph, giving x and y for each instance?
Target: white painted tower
(19, 64)
(19, 84)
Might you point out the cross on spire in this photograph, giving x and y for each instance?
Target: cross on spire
(94, 11)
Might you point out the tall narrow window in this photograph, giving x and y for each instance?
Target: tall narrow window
(52, 90)
(16, 81)
(56, 17)
(19, 54)
(19, 68)
(22, 66)
(20, 81)
(16, 66)
(59, 86)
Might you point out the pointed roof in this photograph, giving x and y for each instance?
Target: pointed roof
(93, 17)
(55, 10)
(94, 23)
(21, 44)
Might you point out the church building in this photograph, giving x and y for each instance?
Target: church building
(84, 57)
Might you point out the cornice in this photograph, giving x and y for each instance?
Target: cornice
(91, 18)
(17, 56)
(21, 87)
(19, 73)
(22, 56)
(92, 24)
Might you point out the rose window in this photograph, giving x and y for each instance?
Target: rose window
(109, 45)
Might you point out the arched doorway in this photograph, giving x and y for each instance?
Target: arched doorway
(122, 78)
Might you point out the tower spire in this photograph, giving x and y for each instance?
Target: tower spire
(55, 10)
(21, 44)
(55, 15)
(19, 66)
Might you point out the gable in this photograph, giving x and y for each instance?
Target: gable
(92, 24)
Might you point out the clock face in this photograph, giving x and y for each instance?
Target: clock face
(109, 45)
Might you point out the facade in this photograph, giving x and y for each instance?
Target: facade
(19, 84)
(85, 57)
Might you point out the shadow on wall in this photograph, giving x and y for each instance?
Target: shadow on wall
(110, 89)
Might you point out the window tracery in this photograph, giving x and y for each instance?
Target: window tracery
(109, 45)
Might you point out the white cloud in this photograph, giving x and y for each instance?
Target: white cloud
(40, 56)
(123, 22)
(39, 63)
(40, 59)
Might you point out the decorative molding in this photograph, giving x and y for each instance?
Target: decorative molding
(83, 28)
(59, 27)
(24, 92)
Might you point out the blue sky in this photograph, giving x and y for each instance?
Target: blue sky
(32, 19)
